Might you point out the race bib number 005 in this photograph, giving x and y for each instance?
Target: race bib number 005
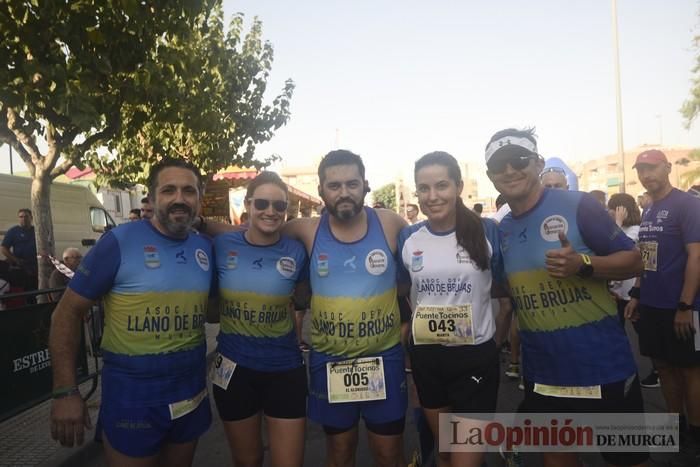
(355, 380)
(443, 325)
(182, 408)
(649, 252)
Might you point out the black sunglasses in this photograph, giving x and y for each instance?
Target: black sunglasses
(517, 162)
(262, 204)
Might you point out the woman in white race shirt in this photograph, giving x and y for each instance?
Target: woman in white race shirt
(623, 209)
(449, 261)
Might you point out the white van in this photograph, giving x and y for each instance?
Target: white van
(79, 218)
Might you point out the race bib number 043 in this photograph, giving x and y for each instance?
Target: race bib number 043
(443, 325)
(355, 380)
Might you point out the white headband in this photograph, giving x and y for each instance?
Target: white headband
(524, 143)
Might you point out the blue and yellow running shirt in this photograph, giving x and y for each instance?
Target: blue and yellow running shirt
(155, 291)
(256, 284)
(442, 274)
(354, 311)
(569, 330)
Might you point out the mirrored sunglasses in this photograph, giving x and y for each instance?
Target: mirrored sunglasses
(517, 162)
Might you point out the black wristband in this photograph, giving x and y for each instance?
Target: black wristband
(634, 292)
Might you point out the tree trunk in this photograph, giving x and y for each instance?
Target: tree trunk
(43, 225)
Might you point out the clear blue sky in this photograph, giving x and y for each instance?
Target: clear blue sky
(395, 79)
(398, 79)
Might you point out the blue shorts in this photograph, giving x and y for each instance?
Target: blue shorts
(346, 415)
(141, 432)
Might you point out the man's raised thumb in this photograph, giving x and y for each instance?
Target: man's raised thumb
(564, 241)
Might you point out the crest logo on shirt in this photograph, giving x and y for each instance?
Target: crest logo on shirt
(151, 256)
(417, 261)
(202, 259)
(462, 257)
(376, 262)
(232, 260)
(551, 226)
(257, 264)
(286, 266)
(322, 264)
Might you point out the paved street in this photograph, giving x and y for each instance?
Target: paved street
(25, 440)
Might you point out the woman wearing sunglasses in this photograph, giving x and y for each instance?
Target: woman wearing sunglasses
(449, 261)
(259, 369)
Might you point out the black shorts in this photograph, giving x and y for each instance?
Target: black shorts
(620, 397)
(464, 378)
(657, 338)
(279, 394)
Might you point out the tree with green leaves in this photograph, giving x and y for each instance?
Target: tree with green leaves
(691, 107)
(386, 194)
(691, 177)
(117, 84)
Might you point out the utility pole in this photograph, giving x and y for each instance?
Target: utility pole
(618, 94)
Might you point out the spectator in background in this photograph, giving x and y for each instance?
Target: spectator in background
(4, 282)
(244, 218)
(305, 211)
(379, 204)
(71, 258)
(554, 177)
(644, 201)
(667, 295)
(478, 209)
(502, 209)
(624, 210)
(146, 208)
(600, 196)
(412, 214)
(19, 249)
(134, 215)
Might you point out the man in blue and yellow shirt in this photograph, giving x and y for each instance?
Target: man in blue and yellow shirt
(559, 249)
(154, 276)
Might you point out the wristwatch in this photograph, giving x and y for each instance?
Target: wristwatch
(682, 306)
(586, 269)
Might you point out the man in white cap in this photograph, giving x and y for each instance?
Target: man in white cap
(576, 356)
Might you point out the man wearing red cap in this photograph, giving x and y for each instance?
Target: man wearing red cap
(668, 293)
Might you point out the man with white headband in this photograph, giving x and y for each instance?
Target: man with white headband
(575, 355)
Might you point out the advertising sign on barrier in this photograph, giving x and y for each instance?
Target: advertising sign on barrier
(25, 363)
